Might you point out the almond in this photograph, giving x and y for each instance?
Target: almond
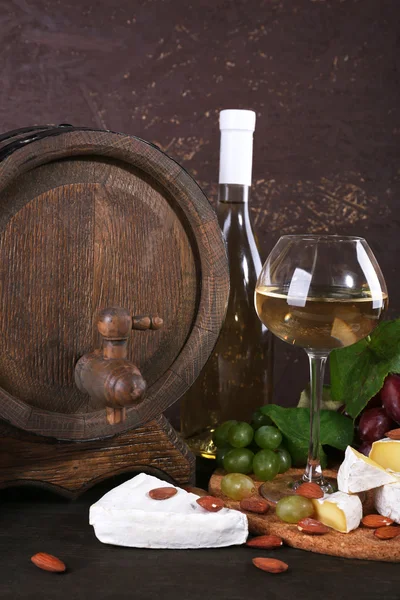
(310, 490)
(47, 562)
(254, 504)
(387, 533)
(210, 503)
(195, 490)
(162, 493)
(393, 434)
(265, 541)
(375, 521)
(271, 565)
(312, 527)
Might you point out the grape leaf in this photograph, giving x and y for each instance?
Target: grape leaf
(336, 430)
(327, 402)
(385, 343)
(358, 371)
(294, 424)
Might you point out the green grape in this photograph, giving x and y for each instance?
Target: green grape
(237, 486)
(239, 460)
(285, 459)
(268, 437)
(266, 465)
(258, 420)
(221, 454)
(220, 435)
(292, 509)
(240, 435)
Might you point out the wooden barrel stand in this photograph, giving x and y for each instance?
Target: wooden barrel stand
(70, 468)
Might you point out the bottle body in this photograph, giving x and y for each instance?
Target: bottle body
(237, 379)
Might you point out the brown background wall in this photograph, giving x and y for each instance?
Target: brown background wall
(323, 76)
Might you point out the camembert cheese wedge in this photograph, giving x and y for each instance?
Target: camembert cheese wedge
(387, 500)
(357, 473)
(386, 453)
(340, 511)
(127, 516)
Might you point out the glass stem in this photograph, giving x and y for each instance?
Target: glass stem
(313, 470)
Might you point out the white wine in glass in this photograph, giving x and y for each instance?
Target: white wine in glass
(319, 292)
(330, 318)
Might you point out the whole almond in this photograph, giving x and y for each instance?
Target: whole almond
(47, 562)
(375, 521)
(162, 493)
(312, 527)
(271, 565)
(387, 533)
(393, 434)
(210, 503)
(254, 504)
(195, 490)
(265, 541)
(310, 490)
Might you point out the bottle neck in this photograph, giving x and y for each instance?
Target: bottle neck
(233, 193)
(234, 220)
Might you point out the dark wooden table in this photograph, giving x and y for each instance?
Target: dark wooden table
(37, 521)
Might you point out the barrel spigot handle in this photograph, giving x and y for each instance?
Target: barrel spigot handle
(112, 381)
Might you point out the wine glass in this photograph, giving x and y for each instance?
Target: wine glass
(319, 292)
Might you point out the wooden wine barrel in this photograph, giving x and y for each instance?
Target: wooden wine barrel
(91, 219)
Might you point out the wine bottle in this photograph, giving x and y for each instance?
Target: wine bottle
(237, 378)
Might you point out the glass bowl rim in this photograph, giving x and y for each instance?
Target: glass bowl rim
(323, 237)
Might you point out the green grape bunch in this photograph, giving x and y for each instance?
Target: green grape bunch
(252, 448)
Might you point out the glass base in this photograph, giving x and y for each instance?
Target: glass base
(202, 445)
(286, 485)
(328, 485)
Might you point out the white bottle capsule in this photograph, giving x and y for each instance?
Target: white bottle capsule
(236, 150)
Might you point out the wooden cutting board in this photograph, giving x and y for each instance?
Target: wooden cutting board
(360, 543)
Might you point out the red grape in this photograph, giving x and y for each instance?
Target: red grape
(374, 423)
(375, 402)
(390, 394)
(365, 448)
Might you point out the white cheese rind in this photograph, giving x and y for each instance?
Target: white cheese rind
(357, 475)
(127, 516)
(385, 441)
(387, 500)
(350, 505)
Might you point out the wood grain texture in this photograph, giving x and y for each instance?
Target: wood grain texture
(69, 468)
(90, 219)
(360, 543)
(322, 76)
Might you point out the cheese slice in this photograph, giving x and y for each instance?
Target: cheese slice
(340, 511)
(357, 473)
(127, 516)
(386, 453)
(387, 500)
